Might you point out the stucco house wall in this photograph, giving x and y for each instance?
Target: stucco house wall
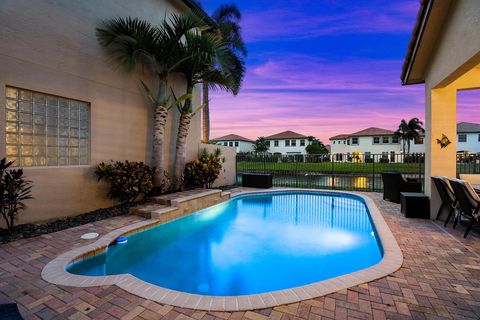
(286, 150)
(365, 144)
(243, 146)
(50, 46)
(471, 145)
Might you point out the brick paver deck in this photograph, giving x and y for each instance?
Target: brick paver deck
(439, 279)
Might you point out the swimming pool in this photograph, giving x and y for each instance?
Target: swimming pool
(250, 244)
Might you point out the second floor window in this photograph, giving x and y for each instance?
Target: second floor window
(354, 140)
(395, 139)
(230, 143)
(267, 143)
(294, 143)
(385, 139)
(462, 138)
(275, 143)
(236, 143)
(376, 140)
(287, 143)
(302, 142)
(418, 140)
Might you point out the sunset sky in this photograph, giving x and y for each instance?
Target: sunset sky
(323, 68)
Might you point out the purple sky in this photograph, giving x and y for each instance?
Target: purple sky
(323, 68)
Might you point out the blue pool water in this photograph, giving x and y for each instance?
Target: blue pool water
(249, 244)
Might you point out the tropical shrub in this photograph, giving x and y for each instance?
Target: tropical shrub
(14, 189)
(129, 181)
(203, 171)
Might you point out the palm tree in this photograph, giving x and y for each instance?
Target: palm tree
(207, 60)
(403, 133)
(408, 131)
(136, 43)
(227, 18)
(260, 146)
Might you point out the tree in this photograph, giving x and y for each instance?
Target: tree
(134, 43)
(315, 146)
(207, 60)
(227, 18)
(408, 131)
(260, 146)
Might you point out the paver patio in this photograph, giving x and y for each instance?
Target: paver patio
(439, 279)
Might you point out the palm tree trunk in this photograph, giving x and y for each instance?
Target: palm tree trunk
(160, 120)
(159, 123)
(181, 149)
(205, 115)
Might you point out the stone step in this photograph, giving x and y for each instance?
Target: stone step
(176, 205)
(165, 214)
(145, 210)
(166, 199)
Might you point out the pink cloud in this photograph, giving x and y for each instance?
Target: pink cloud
(317, 98)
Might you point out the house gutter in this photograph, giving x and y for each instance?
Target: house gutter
(418, 32)
(198, 10)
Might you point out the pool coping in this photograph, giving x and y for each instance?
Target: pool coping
(55, 271)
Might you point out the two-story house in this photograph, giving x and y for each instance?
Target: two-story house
(362, 145)
(287, 143)
(468, 137)
(241, 144)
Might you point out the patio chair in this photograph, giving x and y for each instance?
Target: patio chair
(468, 202)
(447, 195)
(394, 183)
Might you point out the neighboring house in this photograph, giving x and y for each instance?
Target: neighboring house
(364, 144)
(468, 137)
(287, 143)
(65, 106)
(240, 143)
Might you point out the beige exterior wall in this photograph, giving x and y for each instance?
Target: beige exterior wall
(450, 69)
(50, 46)
(228, 175)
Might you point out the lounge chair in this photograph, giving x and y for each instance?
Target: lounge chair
(394, 183)
(468, 201)
(447, 195)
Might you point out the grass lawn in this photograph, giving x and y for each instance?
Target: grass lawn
(339, 167)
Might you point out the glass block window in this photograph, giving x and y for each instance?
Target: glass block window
(45, 130)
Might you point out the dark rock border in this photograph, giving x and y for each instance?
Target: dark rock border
(29, 230)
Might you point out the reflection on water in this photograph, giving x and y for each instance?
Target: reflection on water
(251, 244)
(360, 182)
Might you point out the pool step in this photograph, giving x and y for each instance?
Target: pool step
(176, 205)
(146, 209)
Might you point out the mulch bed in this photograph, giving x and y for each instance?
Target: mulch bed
(29, 230)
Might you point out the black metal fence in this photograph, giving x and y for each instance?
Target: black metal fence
(332, 171)
(468, 163)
